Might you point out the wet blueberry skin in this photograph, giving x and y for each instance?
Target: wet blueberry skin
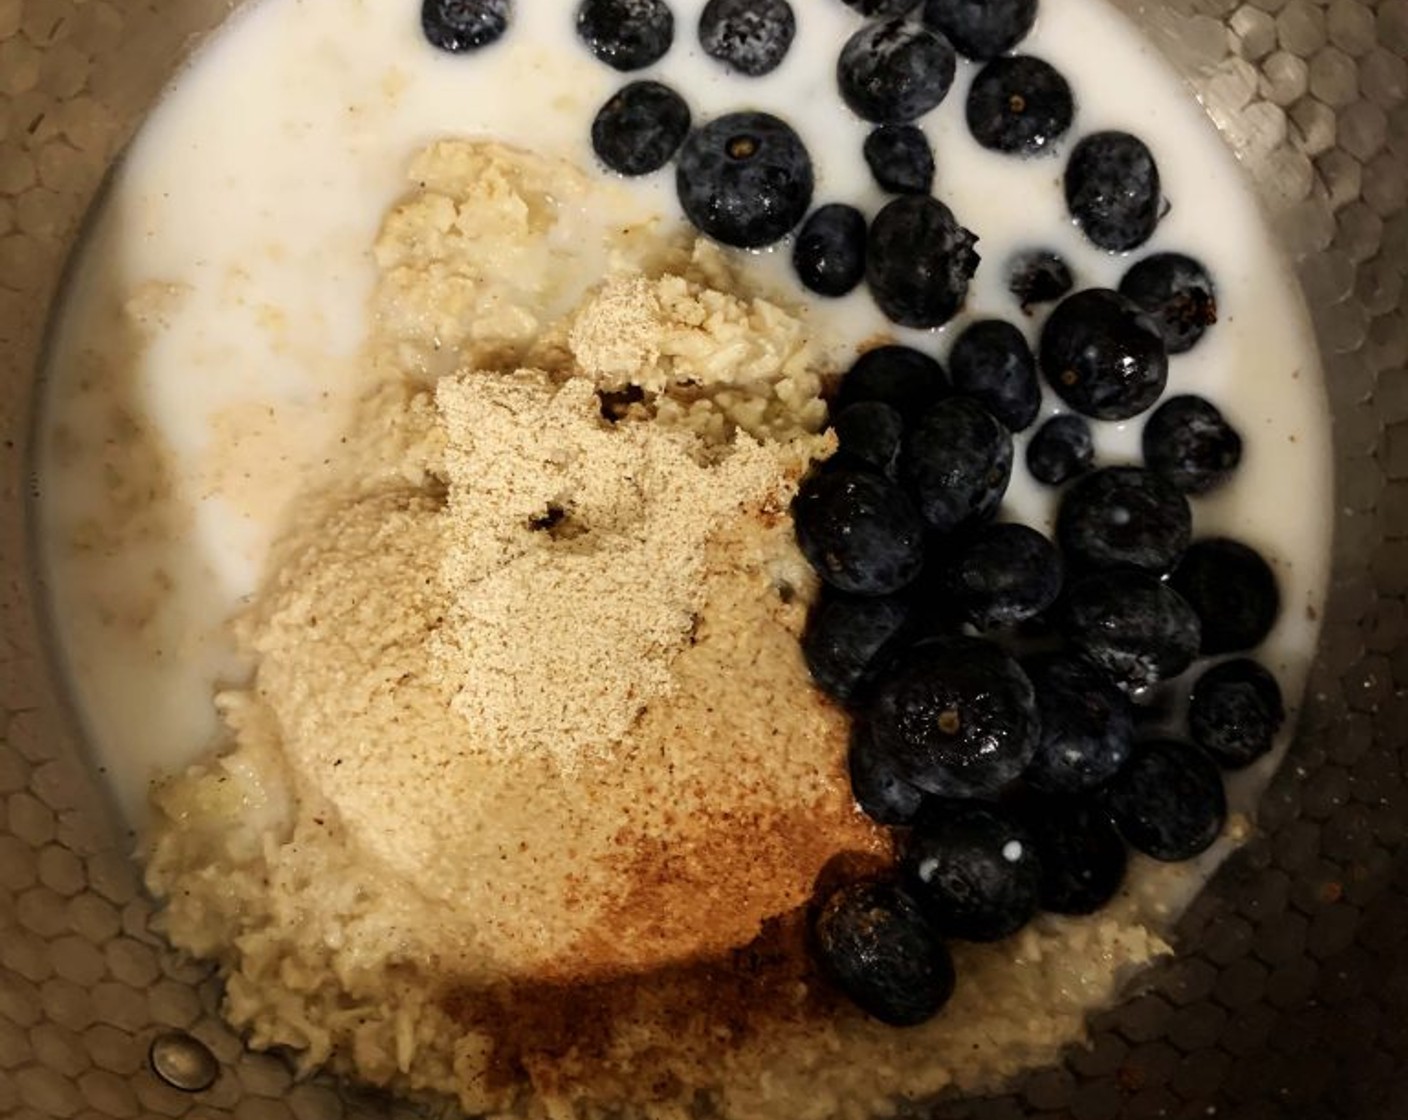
(751, 37)
(465, 25)
(1178, 292)
(829, 253)
(1188, 441)
(1082, 855)
(626, 34)
(1113, 190)
(900, 158)
(1002, 575)
(1124, 516)
(957, 717)
(744, 179)
(859, 531)
(1233, 591)
(872, 941)
(992, 362)
(1168, 801)
(957, 463)
(640, 128)
(847, 638)
(973, 869)
(906, 379)
(1235, 711)
(919, 260)
(1038, 276)
(1103, 355)
(1019, 105)
(1131, 624)
(1060, 450)
(893, 71)
(870, 435)
(981, 29)
(881, 793)
(1087, 724)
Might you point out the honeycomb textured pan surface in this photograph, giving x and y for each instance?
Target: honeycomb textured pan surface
(1290, 994)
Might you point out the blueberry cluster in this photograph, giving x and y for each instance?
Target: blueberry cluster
(1003, 685)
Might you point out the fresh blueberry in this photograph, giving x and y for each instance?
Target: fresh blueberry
(1188, 441)
(882, 9)
(744, 179)
(1003, 575)
(1235, 712)
(881, 793)
(876, 946)
(908, 380)
(829, 254)
(1178, 292)
(1136, 628)
(1038, 276)
(956, 718)
(981, 29)
(749, 36)
(1168, 801)
(640, 128)
(1122, 516)
(869, 434)
(973, 870)
(1233, 591)
(957, 463)
(1112, 190)
(1019, 105)
(900, 159)
(464, 25)
(992, 362)
(626, 34)
(1103, 355)
(1062, 449)
(892, 71)
(919, 261)
(1082, 855)
(859, 531)
(847, 639)
(1087, 724)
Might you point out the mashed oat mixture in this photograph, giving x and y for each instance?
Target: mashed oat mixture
(530, 789)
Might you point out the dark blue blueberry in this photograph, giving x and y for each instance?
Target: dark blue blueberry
(1062, 449)
(875, 945)
(1124, 516)
(870, 434)
(1103, 355)
(908, 380)
(919, 261)
(892, 71)
(973, 870)
(626, 34)
(848, 638)
(1168, 801)
(957, 717)
(1083, 857)
(900, 159)
(1038, 276)
(829, 254)
(1235, 712)
(957, 463)
(749, 36)
(881, 793)
(464, 25)
(981, 28)
(745, 179)
(1233, 591)
(1188, 442)
(1133, 626)
(859, 531)
(640, 128)
(1112, 190)
(992, 362)
(1087, 724)
(1002, 575)
(1178, 292)
(1019, 105)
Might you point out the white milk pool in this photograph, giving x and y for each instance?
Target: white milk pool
(206, 351)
